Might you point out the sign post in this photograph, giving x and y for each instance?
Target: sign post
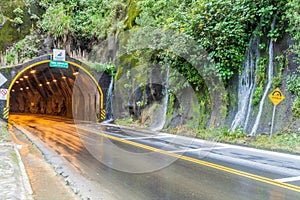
(276, 97)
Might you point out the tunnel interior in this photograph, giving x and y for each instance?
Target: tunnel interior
(67, 92)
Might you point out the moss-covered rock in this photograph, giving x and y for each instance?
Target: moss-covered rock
(132, 12)
(16, 20)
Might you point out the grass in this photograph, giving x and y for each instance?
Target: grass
(4, 135)
(280, 142)
(14, 157)
(284, 142)
(126, 122)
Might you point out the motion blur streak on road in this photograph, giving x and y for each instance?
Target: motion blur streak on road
(180, 180)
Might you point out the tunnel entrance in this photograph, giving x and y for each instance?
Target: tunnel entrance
(70, 92)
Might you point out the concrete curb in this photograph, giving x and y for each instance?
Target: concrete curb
(24, 176)
(26, 186)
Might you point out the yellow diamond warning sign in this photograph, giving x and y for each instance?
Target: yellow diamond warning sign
(276, 96)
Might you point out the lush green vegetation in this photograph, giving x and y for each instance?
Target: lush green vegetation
(260, 80)
(293, 81)
(293, 15)
(82, 19)
(279, 142)
(221, 28)
(25, 48)
(293, 85)
(16, 19)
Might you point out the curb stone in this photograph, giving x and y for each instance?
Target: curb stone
(14, 182)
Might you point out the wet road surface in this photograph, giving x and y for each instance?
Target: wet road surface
(40, 173)
(129, 164)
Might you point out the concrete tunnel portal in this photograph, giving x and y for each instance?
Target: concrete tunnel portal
(70, 92)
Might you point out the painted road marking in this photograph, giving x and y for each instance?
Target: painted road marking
(200, 149)
(201, 162)
(289, 179)
(291, 156)
(148, 137)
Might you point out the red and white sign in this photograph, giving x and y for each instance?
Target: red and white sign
(3, 94)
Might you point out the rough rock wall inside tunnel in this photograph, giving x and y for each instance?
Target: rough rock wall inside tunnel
(35, 104)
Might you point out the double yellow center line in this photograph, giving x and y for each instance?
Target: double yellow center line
(200, 162)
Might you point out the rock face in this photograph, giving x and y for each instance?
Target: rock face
(246, 111)
(36, 104)
(15, 25)
(145, 98)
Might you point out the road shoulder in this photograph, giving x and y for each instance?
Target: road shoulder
(46, 184)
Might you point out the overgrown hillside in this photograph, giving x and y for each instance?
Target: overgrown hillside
(110, 32)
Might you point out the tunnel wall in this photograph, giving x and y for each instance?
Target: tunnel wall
(11, 72)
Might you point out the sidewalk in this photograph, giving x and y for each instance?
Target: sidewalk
(24, 172)
(14, 183)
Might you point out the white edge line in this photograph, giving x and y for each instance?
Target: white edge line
(248, 148)
(253, 149)
(25, 179)
(200, 149)
(289, 179)
(149, 137)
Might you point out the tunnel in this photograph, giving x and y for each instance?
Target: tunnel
(69, 91)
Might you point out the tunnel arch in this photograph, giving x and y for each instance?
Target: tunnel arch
(34, 64)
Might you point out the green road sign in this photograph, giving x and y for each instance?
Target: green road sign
(59, 64)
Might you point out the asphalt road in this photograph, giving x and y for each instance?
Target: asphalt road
(120, 163)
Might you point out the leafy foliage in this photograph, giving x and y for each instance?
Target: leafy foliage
(281, 142)
(85, 19)
(99, 67)
(224, 28)
(24, 49)
(16, 21)
(260, 80)
(281, 62)
(293, 81)
(293, 15)
(293, 85)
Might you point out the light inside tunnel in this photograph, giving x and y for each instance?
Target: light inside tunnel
(41, 89)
